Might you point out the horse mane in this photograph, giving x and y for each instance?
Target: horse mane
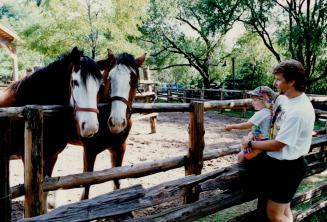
(48, 85)
(129, 61)
(89, 68)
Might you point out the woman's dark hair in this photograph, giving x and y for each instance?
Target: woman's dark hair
(292, 70)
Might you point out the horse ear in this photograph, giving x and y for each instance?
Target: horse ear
(107, 63)
(140, 60)
(76, 56)
(110, 53)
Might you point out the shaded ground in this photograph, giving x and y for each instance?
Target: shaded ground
(170, 140)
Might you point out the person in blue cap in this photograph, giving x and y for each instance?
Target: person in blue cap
(278, 171)
(262, 99)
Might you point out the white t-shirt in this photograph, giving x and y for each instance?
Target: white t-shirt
(279, 101)
(294, 128)
(261, 124)
(276, 116)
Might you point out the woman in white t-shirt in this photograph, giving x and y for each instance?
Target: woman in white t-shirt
(259, 123)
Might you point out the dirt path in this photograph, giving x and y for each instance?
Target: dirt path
(170, 140)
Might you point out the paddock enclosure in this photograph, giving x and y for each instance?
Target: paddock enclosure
(118, 204)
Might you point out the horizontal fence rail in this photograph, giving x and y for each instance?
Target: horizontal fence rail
(190, 187)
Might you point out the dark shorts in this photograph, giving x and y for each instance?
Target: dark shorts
(282, 178)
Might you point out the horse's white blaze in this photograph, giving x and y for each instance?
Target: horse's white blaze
(85, 96)
(120, 86)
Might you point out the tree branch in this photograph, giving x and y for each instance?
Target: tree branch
(171, 66)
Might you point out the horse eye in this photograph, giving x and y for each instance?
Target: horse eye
(75, 83)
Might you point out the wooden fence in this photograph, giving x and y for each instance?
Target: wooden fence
(189, 95)
(146, 94)
(203, 95)
(134, 198)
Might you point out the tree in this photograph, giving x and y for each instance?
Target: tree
(300, 31)
(178, 34)
(253, 62)
(52, 27)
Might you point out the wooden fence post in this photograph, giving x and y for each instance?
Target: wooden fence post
(196, 146)
(202, 94)
(5, 197)
(34, 196)
(244, 96)
(186, 95)
(221, 98)
(153, 124)
(147, 76)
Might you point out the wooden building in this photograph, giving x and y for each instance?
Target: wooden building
(8, 40)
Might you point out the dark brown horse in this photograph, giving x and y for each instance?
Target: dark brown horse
(73, 79)
(120, 79)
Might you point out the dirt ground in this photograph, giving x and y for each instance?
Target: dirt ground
(170, 140)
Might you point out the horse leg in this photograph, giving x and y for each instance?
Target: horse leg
(117, 155)
(47, 172)
(89, 156)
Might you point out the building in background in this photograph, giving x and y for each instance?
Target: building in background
(8, 40)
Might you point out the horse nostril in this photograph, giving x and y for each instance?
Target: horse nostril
(83, 125)
(110, 122)
(124, 122)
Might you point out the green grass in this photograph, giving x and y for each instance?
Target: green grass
(310, 183)
(319, 125)
(307, 184)
(238, 113)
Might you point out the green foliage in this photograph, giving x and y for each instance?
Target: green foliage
(48, 29)
(185, 39)
(6, 11)
(253, 63)
(292, 29)
(178, 35)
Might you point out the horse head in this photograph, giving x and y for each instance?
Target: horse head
(85, 83)
(121, 80)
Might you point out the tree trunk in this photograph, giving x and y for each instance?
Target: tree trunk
(206, 82)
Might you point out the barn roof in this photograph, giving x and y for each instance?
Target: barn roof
(7, 34)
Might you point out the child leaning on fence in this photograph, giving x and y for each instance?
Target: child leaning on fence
(262, 100)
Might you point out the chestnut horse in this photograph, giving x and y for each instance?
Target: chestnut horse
(120, 81)
(73, 79)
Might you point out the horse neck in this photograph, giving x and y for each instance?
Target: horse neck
(6, 98)
(49, 85)
(103, 96)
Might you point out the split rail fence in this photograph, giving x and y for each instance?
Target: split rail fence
(121, 203)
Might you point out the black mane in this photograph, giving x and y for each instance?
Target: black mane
(51, 84)
(129, 61)
(48, 85)
(89, 68)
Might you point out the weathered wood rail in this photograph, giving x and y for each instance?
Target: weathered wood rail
(137, 198)
(203, 95)
(189, 187)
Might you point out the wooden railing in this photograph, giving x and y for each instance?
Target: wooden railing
(188, 95)
(137, 198)
(133, 198)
